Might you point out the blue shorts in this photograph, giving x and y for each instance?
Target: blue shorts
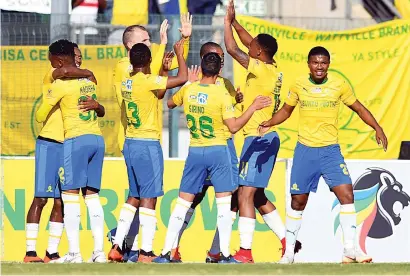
(145, 167)
(234, 164)
(49, 168)
(214, 161)
(83, 162)
(258, 158)
(310, 163)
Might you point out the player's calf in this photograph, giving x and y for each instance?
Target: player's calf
(56, 228)
(32, 227)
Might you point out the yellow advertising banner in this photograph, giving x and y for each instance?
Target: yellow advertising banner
(373, 60)
(18, 192)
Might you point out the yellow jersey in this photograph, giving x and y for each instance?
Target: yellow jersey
(53, 127)
(124, 67)
(205, 107)
(261, 80)
(68, 93)
(232, 93)
(141, 105)
(319, 107)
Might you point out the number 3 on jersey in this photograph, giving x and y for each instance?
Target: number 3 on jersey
(135, 120)
(205, 126)
(90, 114)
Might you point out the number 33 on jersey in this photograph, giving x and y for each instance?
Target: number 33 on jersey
(141, 104)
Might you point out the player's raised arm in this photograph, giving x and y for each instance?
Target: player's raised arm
(186, 31)
(166, 65)
(369, 119)
(73, 72)
(230, 43)
(156, 64)
(182, 75)
(243, 34)
(235, 124)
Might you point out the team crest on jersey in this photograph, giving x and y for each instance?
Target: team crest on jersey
(128, 84)
(202, 98)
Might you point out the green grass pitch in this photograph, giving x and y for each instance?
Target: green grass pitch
(204, 269)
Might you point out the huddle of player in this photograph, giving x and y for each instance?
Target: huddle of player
(70, 150)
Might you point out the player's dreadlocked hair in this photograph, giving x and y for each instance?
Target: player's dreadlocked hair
(205, 47)
(319, 51)
(268, 43)
(128, 32)
(140, 55)
(211, 64)
(61, 47)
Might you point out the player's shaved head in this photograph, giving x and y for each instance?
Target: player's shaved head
(212, 47)
(208, 47)
(140, 55)
(211, 64)
(319, 51)
(135, 34)
(61, 53)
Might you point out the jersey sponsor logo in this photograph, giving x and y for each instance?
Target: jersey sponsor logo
(316, 90)
(192, 98)
(202, 98)
(380, 200)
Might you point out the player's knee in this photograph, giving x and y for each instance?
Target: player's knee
(298, 204)
(40, 202)
(346, 198)
(149, 203)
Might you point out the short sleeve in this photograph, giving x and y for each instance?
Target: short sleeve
(54, 93)
(257, 67)
(231, 90)
(293, 97)
(48, 78)
(157, 82)
(228, 110)
(178, 97)
(346, 95)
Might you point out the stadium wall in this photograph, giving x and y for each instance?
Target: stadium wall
(381, 198)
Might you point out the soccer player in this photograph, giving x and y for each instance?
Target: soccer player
(78, 57)
(142, 149)
(83, 151)
(214, 253)
(208, 108)
(317, 152)
(132, 35)
(49, 173)
(259, 154)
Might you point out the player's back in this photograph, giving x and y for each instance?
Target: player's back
(77, 123)
(261, 80)
(141, 104)
(205, 106)
(319, 108)
(53, 126)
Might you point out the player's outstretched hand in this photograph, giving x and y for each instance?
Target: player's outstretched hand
(381, 138)
(238, 96)
(193, 73)
(179, 47)
(167, 61)
(163, 32)
(186, 25)
(261, 102)
(230, 12)
(89, 104)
